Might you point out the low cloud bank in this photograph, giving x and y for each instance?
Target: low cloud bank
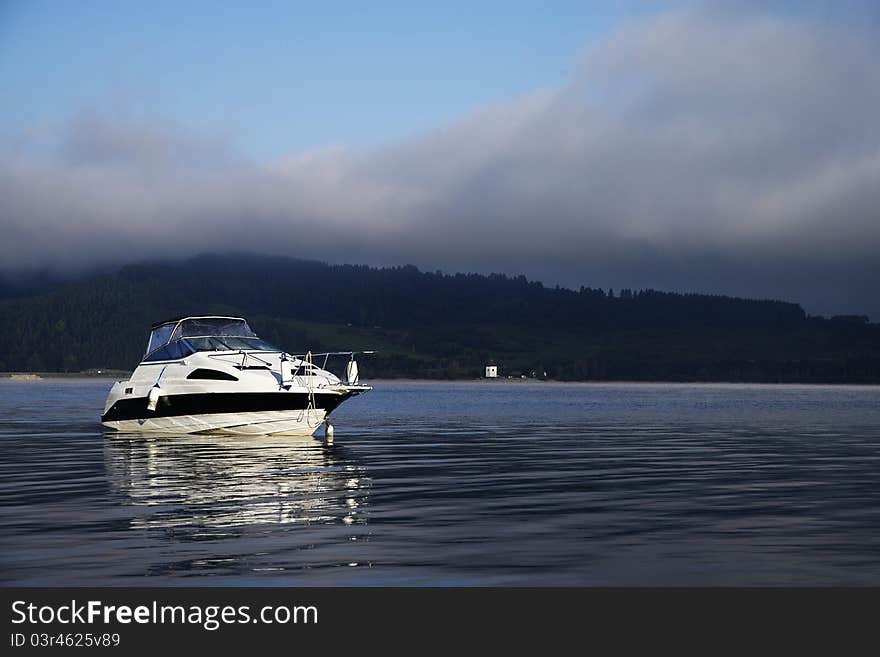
(708, 151)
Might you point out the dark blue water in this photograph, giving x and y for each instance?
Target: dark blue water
(455, 483)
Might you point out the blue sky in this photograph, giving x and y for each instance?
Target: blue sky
(280, 77)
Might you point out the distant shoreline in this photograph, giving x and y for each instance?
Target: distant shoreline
(112, 375)
(39, 376)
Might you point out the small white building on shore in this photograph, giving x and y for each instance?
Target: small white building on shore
(491, 371)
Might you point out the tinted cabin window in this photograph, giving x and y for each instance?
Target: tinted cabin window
(214, 375)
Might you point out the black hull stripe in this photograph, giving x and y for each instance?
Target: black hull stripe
(220, 402)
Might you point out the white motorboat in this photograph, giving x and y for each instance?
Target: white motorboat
(213, 374)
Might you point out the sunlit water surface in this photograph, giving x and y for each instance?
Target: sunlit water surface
(484, 483)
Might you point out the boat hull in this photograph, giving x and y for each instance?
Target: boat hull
(242, 413)
(303, 422)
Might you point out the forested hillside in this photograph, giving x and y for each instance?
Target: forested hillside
(439, 326)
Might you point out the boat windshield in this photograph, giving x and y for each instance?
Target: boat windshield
(187, 346)
(169, 341)
(227, 343)
(213, 326)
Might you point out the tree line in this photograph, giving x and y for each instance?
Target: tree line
(436, 325)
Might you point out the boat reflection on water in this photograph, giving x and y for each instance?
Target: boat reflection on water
(201, 484)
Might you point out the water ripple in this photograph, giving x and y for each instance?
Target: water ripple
(455, 483)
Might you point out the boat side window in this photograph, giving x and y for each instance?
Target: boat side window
(211, 375)
(159, 354)
(172, 351)
(159, 336)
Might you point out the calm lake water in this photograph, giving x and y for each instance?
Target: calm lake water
(484, 483)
